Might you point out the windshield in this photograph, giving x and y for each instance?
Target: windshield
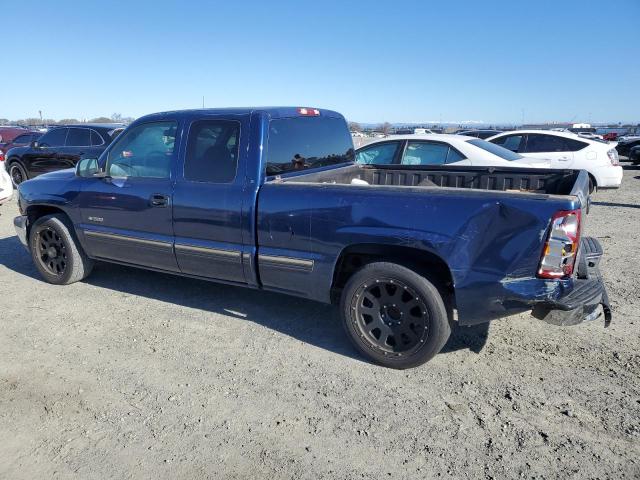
(495, 149)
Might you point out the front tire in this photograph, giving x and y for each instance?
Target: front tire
(17, 173)
(56, 252)
(394, 316)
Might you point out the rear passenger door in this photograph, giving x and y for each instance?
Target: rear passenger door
(77, 145)
(420, 152)
(551, 147)
(208, 199)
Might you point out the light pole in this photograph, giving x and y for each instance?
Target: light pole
(41, 122)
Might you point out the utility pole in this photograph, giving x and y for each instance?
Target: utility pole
(202, 101)
(40, 112)
(523, 117)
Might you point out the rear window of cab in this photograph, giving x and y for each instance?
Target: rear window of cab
(301, 143)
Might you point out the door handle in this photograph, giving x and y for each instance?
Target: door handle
(159, 200)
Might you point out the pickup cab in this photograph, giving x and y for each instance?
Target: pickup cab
(271, 198)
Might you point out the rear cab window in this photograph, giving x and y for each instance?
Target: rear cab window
(300, 143)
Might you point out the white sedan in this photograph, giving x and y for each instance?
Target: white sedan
(6, 187)
(567, 150)
(440, 149)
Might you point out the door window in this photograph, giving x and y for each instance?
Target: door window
(53, 138)
(379, 154)
(212, 151)
(425, 153)
(537, 143)
(22, 140)
(78, 137)
(145, 151)
(96, 139)
(510, 142)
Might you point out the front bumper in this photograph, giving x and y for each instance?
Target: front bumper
(581, 303)
(20, 223)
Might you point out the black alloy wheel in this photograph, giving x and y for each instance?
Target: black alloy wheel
(394, 315)
(17, 174)
(391, 316)
(51, 251)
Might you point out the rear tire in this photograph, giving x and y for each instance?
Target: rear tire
(56, 252)
(17, 173)
(394, 316)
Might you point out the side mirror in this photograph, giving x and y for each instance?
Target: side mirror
(87, 167)
(35, 144)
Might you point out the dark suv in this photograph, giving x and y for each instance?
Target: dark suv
(60, 148)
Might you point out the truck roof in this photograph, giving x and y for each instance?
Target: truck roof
(273, 112)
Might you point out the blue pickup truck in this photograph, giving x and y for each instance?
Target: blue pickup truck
(271, 198)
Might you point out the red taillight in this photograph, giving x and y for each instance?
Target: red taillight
(561, 248)
(311, 112)
(1, 156)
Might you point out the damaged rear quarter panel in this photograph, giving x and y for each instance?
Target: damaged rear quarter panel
(491, 241)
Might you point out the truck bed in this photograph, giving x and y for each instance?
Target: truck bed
(543, 181)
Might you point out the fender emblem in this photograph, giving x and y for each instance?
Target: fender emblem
(96, 219)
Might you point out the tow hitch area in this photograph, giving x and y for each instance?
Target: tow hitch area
(582, 302)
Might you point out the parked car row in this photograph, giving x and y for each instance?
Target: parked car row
(521, 148)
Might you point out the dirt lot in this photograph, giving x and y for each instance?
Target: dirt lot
(132, 374)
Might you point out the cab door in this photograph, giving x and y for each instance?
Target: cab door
(208, 198)
(127, 215)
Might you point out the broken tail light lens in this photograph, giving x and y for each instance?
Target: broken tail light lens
(561, 248)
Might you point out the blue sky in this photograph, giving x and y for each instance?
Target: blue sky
(400, 61)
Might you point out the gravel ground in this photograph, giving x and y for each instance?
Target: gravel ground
(132, 374)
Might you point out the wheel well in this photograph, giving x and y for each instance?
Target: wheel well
(36, 211)
(426, 263)
(593, 181)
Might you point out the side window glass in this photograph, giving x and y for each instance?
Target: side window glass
(425, 153)
(78, 137)
(512, 142)
(378, 154)
(574, 145)
(53, 138)
(145, 151)
(454, 156)
(212, 151)
(96, 139)
(545, 143)
(22, 140)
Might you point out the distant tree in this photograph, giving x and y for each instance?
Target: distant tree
(116, 117)
(101, 120)
(67, 121)
(385, 128)
(355, 127)
(4, 121)
(31, 121)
